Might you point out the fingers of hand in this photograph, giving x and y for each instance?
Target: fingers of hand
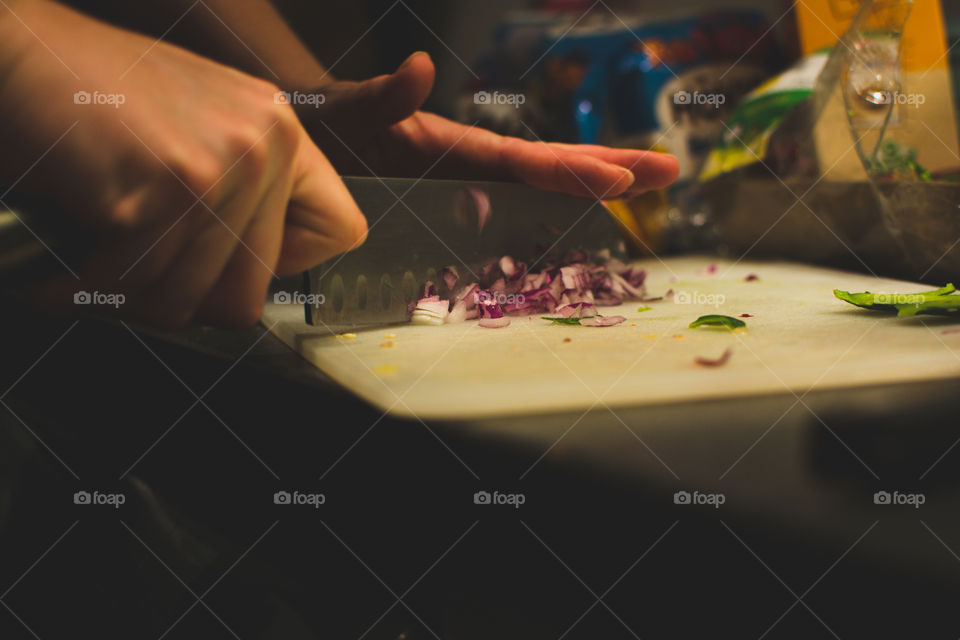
(547, 167)
(652, 170)
(322, 218)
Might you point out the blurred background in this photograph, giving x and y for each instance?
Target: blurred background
(617, 73)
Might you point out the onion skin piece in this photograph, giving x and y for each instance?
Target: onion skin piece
(577, 310)
(430, 311)
(719, 362)
(457, 314)
(494, 323)
(601, 321)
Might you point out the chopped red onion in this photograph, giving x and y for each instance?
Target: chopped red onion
(467, 294)
(487, 305)
(574, 277)
(423, 299)
(430, 310)
(458, 313)
(635, 292)
(577, 310)
(751, 277)
(494, 323)
(572, 288)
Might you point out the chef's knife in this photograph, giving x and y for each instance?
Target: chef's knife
(419, 227)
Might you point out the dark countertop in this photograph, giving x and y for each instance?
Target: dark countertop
(110, 411)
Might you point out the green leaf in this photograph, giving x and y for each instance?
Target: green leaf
(938, 301)
(562, 320)
(717, 321)
(941, 305)
(642, 309)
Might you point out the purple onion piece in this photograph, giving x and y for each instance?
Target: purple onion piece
(601, 321)
(718, 362)
(494, 323)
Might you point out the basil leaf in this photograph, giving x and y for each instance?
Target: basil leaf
(938, 301)
(941, 305)
(562, 320)
(717, 321)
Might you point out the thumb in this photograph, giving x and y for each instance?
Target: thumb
(322, 218)
(381, 101)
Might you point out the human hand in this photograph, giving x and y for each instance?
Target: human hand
(198, 185)
(375, 127)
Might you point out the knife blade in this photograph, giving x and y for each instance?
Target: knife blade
(419, 227)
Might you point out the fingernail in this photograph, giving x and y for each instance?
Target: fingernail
(411, 57)
(632, 178)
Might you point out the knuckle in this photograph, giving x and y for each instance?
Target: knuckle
(250, 146)
(244, 137)
(200, 174)
(289, 131)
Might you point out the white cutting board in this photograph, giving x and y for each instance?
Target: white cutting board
(800, 338)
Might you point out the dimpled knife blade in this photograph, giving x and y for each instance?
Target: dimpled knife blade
(418, 227)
